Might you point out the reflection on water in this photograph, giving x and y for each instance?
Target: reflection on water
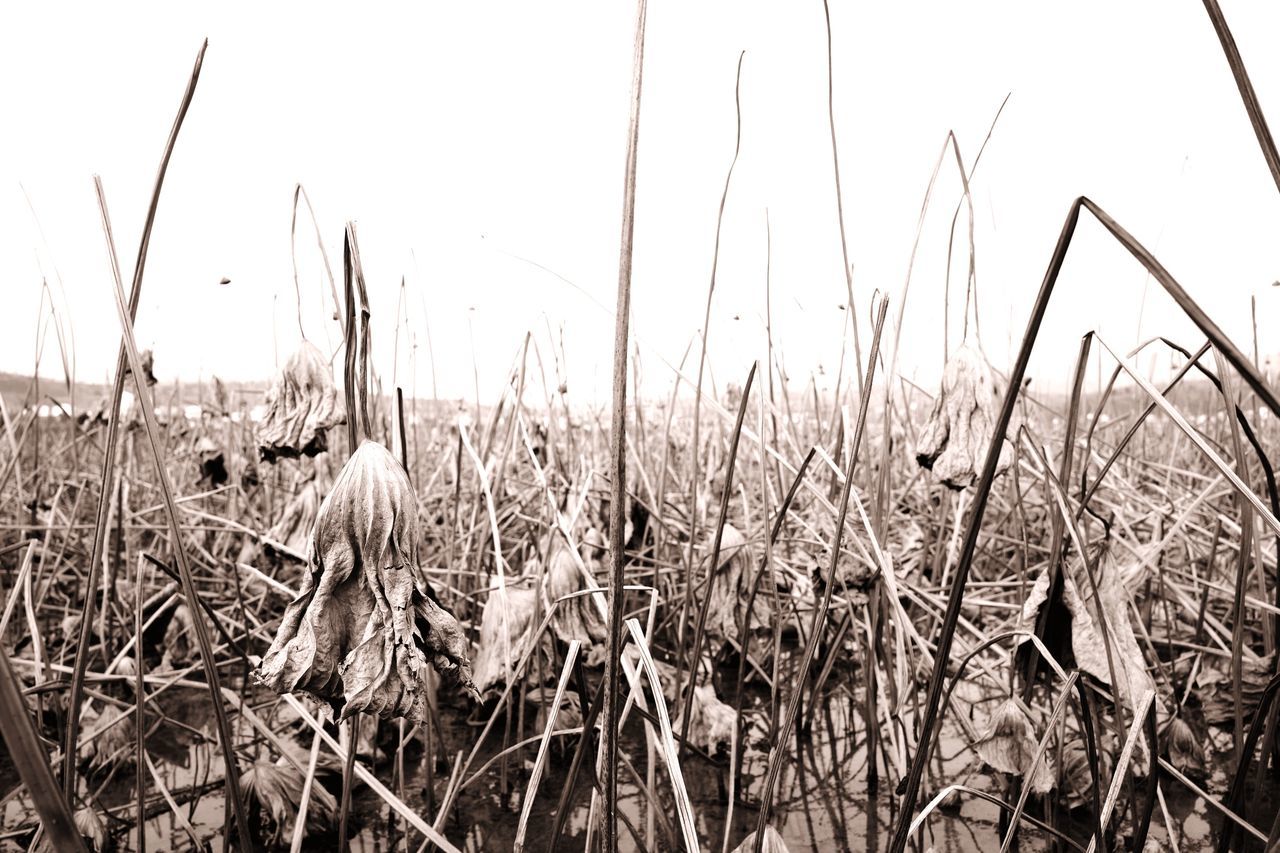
(822, 803)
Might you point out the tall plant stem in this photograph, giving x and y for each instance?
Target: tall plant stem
(618, 450)
(811, 646)
(982, 491)
(81, 663)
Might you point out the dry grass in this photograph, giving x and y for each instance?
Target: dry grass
(797, 616)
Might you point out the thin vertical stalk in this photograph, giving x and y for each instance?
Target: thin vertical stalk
(1260, 129)
(139, 696)
(350, 343)
(80, 666)
(201, 630)
(694, 449)
(797, 690)
(835, 165)
(32, 763)
(714, 564)
(618, 449)
(982, 491)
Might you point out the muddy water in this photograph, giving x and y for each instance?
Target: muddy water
(823, 804)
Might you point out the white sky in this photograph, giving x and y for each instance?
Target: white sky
(461, 136)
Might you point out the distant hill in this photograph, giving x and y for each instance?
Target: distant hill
(17, 389)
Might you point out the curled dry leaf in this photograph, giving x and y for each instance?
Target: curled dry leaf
(274, 791)
(773, 843)
(91, 827)
(1184, 749)
(512, 612)
(576, 617)
(108, 735)
(302, 404)
(1008, 743)
(731, 591)
(366, 625)
(954, 441)
(1087, 643)
(148, 359)
(711, 721)
(1216, 689)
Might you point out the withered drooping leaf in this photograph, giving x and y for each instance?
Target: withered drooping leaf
(1087, 637)
(953, 444)
(1079, 788)
(366, 624)
(513, 613)
(275, 792)
(1217, 694)
(302, 404)
(731, 591)
(213, 466)
(299, 516)
(1008, 744)
(1087, 643)
(711, 721)
(576, 617)
(1184, 749)
(148, 359)
(506, 632)
(179, 639)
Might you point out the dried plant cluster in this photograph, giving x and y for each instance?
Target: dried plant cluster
(366, 625)
(302, 406)
(954, 441)
(1076, 649)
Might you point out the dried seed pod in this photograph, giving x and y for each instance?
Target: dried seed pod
(954, 441)
(1008, 744)
(302, 404)
(366, 624)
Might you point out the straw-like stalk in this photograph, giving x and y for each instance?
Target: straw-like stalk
(618, 450)
(982, 491)
(106, 478)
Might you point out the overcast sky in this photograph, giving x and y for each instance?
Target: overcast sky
(480, 146)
